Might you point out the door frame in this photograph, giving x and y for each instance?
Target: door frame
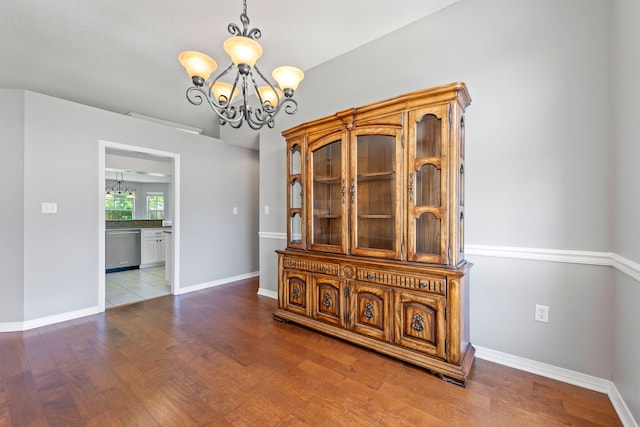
(175, 231)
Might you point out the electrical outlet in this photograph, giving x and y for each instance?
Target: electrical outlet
(542, 313)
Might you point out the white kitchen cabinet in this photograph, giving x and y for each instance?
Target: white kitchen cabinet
(153, 247)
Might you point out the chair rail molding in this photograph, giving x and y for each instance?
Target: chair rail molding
(606, 259)
(272, 235)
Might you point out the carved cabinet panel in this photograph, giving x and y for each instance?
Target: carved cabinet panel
(328, 300)
(296, 295)
(369, 310)
(420, 322)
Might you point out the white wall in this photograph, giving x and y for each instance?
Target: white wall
(12, 178)
(626, 174)
(61, 164)
(538, 158)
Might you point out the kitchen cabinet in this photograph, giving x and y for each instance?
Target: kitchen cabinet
(153, 247)
(375, 236)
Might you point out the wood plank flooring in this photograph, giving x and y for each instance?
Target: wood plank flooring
(216, 357)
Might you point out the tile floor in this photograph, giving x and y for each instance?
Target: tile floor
(126, 287)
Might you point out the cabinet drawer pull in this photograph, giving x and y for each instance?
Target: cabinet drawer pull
(369, 310)
(371, 276)
(423, 284)
(418, 322)
(325, 269)
(292, 263)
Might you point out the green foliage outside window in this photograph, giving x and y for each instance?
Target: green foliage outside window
(118, 208)
(155, 206)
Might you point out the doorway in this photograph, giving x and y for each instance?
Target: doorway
(151, 172)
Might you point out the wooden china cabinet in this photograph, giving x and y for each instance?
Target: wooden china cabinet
(375, 234)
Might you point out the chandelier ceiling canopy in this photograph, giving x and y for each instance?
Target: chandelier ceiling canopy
(221, 91)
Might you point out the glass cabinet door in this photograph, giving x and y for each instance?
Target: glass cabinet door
(427, 191)
(375, 188)
(327, 184)
(295, 196)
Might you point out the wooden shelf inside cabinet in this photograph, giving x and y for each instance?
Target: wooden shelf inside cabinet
(376, 255)
(380, 176)
(326, 180)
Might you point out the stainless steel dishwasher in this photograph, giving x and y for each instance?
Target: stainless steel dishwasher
(123, 249)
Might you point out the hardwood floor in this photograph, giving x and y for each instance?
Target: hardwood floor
(216, 357)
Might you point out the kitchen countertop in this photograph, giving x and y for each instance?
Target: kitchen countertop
(134, 223)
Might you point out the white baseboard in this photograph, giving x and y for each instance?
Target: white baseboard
(63, 317)
(48, 320)
(564, 375)
(268, 293)
(215, 283)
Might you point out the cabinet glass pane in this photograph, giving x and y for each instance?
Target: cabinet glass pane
(296, 162)
(295, 222)
(327, 195)
(428, 232)
(296, 195)
(428, 186)
(376, 191)
(428, 137)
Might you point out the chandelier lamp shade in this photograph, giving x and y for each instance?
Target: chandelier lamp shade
(119, 189)
(258, 100)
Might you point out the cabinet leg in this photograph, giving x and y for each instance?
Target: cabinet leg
(445, 378)
(280, 319)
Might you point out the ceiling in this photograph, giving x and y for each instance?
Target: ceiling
(121, 55)
(137, 166)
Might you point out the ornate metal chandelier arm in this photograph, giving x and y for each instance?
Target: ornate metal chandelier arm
(258, 118)
(228, 115)
(255, 67)
(196, 98)
(218, 103)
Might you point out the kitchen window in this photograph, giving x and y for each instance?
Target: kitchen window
(155, 205)
(118, 208)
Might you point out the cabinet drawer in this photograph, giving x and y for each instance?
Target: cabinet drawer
(435, 285)
(311, 265)
(152, 232)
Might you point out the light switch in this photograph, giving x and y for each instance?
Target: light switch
(49, 207)
(266, 209)
(235, 210)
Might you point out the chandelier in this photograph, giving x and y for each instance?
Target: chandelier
(119, 189)
(222, 90)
